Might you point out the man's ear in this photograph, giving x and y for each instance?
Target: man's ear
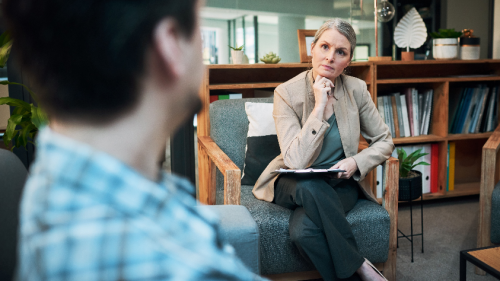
(167, 44)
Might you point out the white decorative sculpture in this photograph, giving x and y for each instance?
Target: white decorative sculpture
(410, 31)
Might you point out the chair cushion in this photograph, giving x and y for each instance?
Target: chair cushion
(495, 215)
(238, 228)
(262, 142)
(369, 221)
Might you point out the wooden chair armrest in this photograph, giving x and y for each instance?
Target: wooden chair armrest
(231, 173)
(489, 177)
(390, 203)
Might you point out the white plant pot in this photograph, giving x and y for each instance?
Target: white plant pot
(445, 48)
(237, 56)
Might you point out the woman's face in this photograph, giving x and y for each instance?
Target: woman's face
(331, 54)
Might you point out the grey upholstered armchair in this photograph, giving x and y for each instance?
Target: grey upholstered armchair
(489, 195)
(374, 226)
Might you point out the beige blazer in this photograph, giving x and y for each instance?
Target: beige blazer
(300, 135)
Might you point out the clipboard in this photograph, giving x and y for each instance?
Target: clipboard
(307, 171)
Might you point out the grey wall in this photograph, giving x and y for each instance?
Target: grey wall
(460, 14)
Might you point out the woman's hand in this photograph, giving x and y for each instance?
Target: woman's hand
(322, 88)
(348, 165)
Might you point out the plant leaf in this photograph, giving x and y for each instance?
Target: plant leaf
(410, 31)
(33, 96)
(38, 117)
(15, 102)
(10, 132)
(420, 163)
(5, 47)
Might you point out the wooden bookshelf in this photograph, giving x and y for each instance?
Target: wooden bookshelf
(382, 78)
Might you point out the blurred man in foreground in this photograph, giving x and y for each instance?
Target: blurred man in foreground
(117, 78)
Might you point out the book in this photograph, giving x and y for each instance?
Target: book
(434, 167)
(430, 106)
(380, 106)
(455, 97)
(235, 96)
(388, 114)
(423, 109)
(451, 167)
(416, 121)
(489, 112)
(409, 105)
(404, 113)
(395, 117)
(421, 97)
(426, 170)
(400, 115)
(448, 168)
(480, 113)
(306, 171)
(463, 111)
(214, 98)
(470, 111)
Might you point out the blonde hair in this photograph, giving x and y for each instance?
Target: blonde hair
(341, 26)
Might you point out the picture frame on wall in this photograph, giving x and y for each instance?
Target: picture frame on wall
(306, 37)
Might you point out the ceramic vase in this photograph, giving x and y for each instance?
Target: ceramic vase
(445, 48)
(237, 56)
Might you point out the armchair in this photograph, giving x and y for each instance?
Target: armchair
(374, 226)
(489, 195)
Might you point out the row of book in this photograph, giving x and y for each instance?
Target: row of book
(473, 110)
(225, 97)
(407, 114)
(429, 173)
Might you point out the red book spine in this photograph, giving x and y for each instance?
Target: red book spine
(409, 107)
(213, 98)
(434, 167)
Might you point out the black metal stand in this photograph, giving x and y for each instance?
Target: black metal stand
(410, 237)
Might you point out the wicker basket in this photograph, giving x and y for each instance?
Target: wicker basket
(410, 188)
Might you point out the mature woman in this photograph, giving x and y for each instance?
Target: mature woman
(319, 116)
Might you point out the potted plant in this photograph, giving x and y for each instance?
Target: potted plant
(25, 118)
(410, 33)
(237, 54)
(270, 58)
(410, 181)
(445, 44)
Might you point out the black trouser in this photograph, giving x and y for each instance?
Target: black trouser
(318, 226)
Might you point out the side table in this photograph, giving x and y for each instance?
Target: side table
(487, 258)
(409, 190)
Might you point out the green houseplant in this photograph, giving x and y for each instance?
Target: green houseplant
(237, 54)
(410, 181)
(445, 44)
(26, 118)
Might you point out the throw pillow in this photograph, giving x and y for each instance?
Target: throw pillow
(262, 141)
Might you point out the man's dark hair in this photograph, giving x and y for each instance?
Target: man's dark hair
(86, 56)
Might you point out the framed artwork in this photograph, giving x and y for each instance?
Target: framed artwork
(361, 52)
(306, 37)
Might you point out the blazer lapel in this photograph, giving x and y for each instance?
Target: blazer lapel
(310, 101)
(340, 108)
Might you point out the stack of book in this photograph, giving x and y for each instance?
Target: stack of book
(225, 97)
(408, 114)
(473, 110)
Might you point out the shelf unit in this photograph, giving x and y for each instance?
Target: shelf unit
(382, 78)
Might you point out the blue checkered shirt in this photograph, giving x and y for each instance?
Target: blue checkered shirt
(87, 216)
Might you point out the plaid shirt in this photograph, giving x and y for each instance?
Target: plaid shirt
(87, 216)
